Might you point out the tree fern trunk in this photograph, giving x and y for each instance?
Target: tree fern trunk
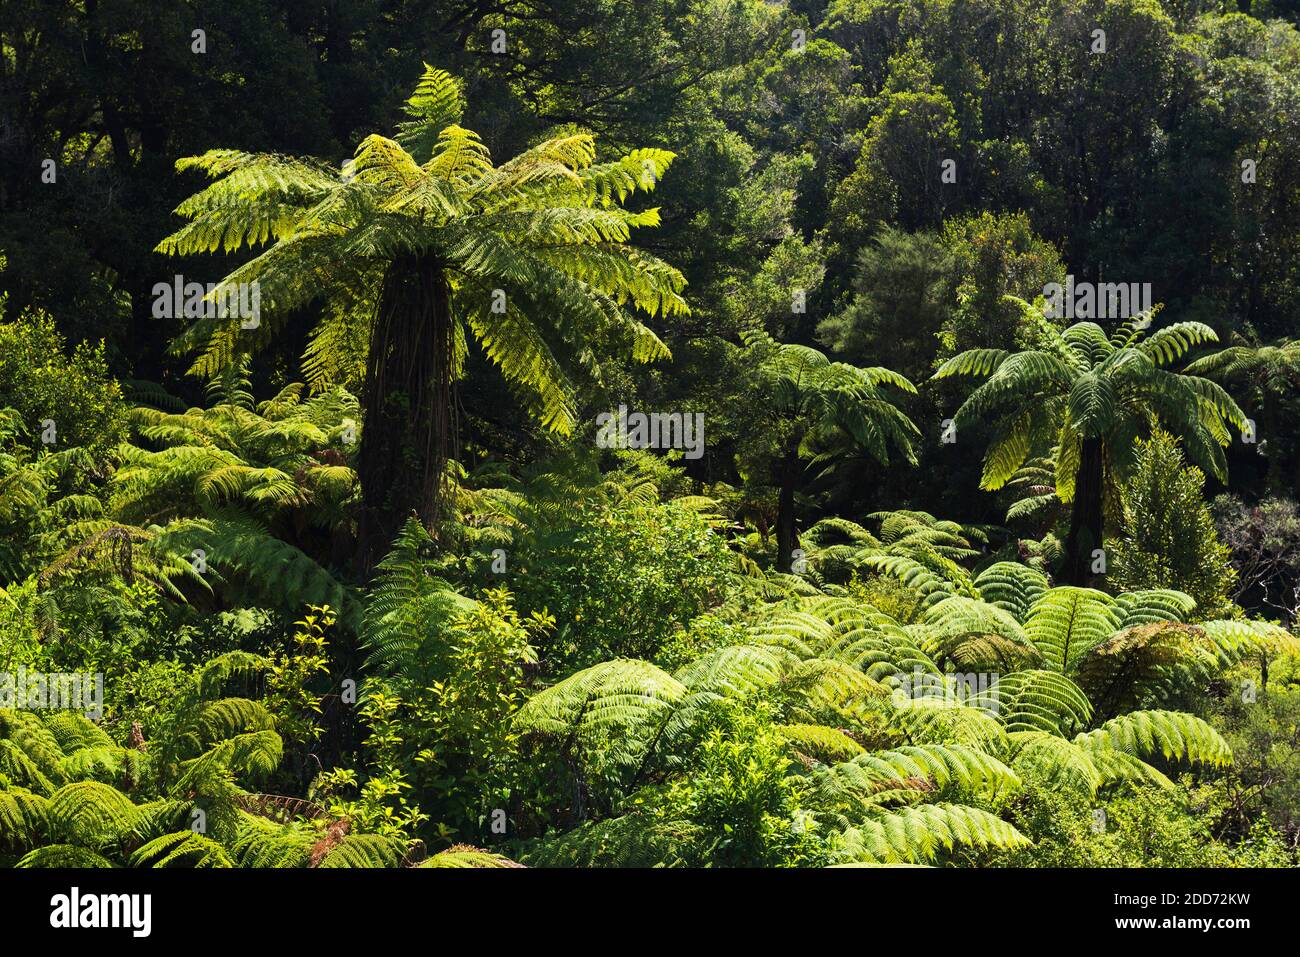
(1270, 430)
(408, 427)
(787, 537)
(1085, 517)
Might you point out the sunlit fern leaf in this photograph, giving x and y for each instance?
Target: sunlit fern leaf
(816, 742)
(764, 585)
(19, 769)
(613, 712)
(1011, 586)
(153, 819)
(366, 850)
(920, 535)
(256, 755)
(1121, 768)
(632, 690)
(265, 844)
(463, 856)
(991, 653)
(1170, 343)
(75, 731)
(787, 585)
(977, 362)
(437, 102)
(882, 651)
(704, 506)
(65, 856)
(1154, 605)
(336, 350)
(216, 675)
(932, 587)
(1065, 622)
(99, 764)
(632, 840)
(736, 670)
(639, 169)
(1052, 762)
(936, 721)
(841, 613)
(856, 865)
(922, 834)
(87, 812)
(1235, 640)
(208, 774)
(671, 748)
(1145, 664)
(1276, 364)
(798, 632)
(24, 818)
(975, 633)
(228, 717)
(181, 849)
(124, 551)
(829, 531)
(282, 185)
(1172, 735)
(1038, 700)
(827, 682)
(407, 609)
(1007, 453)
(852, 788)
(30, 753)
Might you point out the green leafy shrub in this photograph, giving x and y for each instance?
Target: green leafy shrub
(1262, 724)
(887, 594)
(443, 737)
(1169, 538)
(746, 806)
(622, 581)
(1146, 827)
(40, 380)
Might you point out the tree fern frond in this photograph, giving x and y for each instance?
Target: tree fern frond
(1170, 734)
(923, 833)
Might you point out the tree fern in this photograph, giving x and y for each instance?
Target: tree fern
(1091, 395)
(431, 228)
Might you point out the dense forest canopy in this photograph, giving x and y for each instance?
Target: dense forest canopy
(685, 433)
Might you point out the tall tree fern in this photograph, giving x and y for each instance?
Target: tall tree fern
(1093, 395)
(419, 244)
(814, 404)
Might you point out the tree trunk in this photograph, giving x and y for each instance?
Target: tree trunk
(787, 537)
(408, 426)
(1085, 517)
(1270, 431)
